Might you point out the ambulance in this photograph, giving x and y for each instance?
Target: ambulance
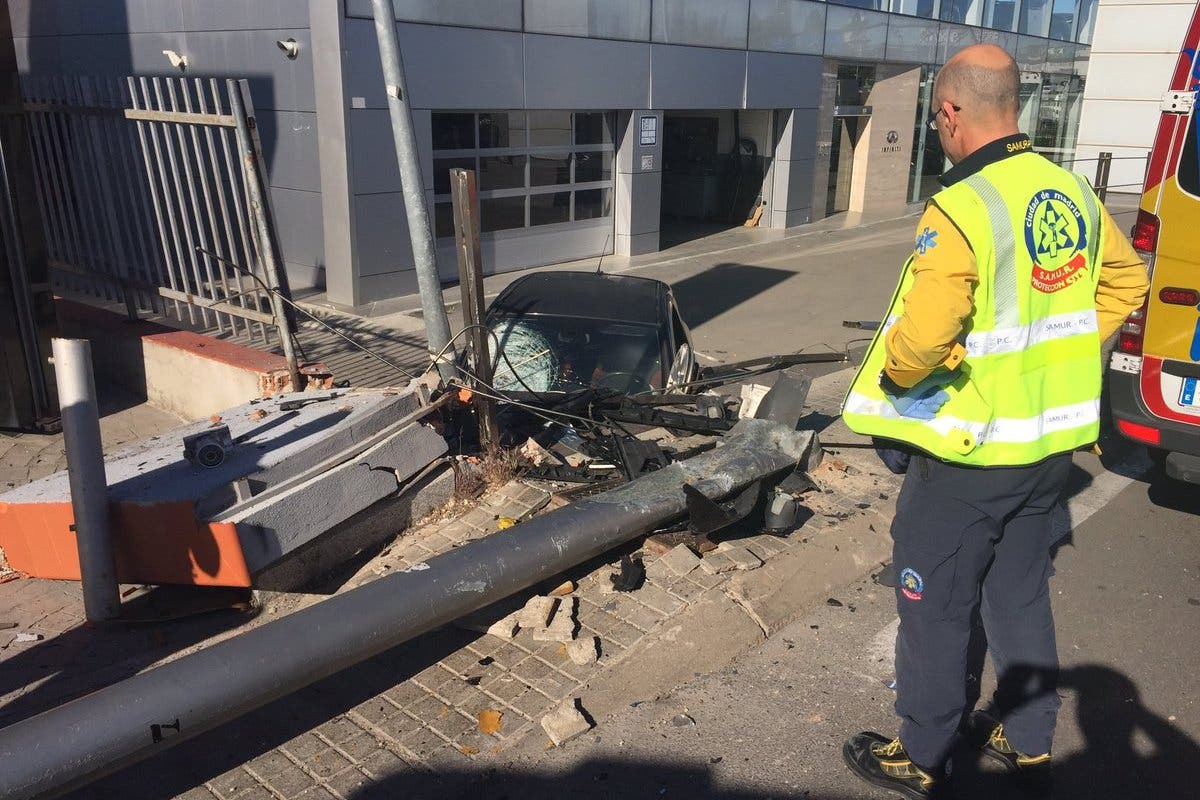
(1154, 373)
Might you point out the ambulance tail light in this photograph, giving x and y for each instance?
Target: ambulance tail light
(1145, 237)
(1132, 331)
(1140, 433)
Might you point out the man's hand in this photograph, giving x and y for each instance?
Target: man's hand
(922, 401)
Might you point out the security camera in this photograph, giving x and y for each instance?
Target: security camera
(290, 48)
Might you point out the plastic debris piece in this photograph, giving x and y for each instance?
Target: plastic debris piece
(27, 637)
(504, 523)
(631, 576)
(489, 720)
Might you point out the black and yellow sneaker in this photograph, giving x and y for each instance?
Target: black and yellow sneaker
(883, 763)
(1034, 772)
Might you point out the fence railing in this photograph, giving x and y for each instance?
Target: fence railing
(139, 179)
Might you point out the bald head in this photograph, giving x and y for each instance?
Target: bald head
(984, 81)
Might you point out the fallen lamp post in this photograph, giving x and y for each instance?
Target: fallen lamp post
(77, 743)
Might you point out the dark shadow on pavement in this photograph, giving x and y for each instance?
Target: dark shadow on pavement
(714, 291)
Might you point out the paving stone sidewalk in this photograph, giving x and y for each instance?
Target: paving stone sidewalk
(429, 720)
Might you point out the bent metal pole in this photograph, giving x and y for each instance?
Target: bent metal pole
(69, 746)
(85, 473)
(437, 327)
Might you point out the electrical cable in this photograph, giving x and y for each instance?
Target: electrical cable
(307, 313)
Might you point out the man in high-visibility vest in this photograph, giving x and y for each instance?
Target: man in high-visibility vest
(987, 372)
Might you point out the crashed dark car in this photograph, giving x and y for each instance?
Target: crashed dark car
(562, 334)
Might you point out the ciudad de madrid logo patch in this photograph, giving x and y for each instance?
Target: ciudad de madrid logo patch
(1056, 237)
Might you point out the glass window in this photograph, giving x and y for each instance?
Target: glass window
(968, 12)
(787, 26)
(853, 33)
(501, 129)
(871, 5)
(913, 8)
(441, 172)
(927, 160)
(604, 19)
(571, 153)
(1188, 172)
(712, 23)
(1062, 20)
(1035, 17)
(1087, 21)
(913, 40)
(501, 172)
(501, 213)
(505, 14)
(1001, 14)
(443, 219)
(593, 167)
(550, 128)
(546, 209)
(1031, 53)
(593, 127)
(593, 203)
(548, 169)
(453, 131)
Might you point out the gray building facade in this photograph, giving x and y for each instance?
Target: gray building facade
(595, 126)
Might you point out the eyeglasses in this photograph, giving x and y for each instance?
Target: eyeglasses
(933, 116)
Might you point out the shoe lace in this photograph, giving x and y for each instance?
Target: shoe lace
(891, 749)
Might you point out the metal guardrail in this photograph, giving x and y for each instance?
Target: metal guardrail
(134, 176)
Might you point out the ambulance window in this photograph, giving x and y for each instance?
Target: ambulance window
(1189, 161)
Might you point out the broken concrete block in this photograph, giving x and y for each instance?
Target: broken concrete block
(507, 627)
(565, 723)
(562, 625)
(717, 562)
(743, 558)
(537, 612)
(584, 651)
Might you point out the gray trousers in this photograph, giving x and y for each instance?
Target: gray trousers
(970, 538)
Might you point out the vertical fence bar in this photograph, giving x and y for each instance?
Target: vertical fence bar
(47, 186)
(119, 267)
(59, 128)
(175, 269)
(139, 98)
(236, 187)
(219, 241)
(464, 199)
(260, 210)
(84, 189)
(188, 214)
(85, 472)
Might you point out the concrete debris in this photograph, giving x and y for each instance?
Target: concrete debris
(536, 454)
(679, 561)
(562, 625)
(537, 612)
(507, 627)
(682, 721)
(565, 723)
(752, 395)
(584, 651)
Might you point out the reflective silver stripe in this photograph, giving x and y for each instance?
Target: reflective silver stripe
(1002, 430)
(1093, 212)
(1020, 337)
(1004, 239)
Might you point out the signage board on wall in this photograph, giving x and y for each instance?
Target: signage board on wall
(649, 131)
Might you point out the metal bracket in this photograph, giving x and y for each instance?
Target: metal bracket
(1178, 102)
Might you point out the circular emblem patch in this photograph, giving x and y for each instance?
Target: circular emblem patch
(911, 583)
(1056, 236)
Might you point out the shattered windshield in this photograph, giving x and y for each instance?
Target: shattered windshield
(566, 354)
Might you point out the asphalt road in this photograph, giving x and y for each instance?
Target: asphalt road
(1127, 602)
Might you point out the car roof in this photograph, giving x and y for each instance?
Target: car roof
(617, 298)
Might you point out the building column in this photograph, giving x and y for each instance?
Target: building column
(795, 152)
(327, 21)
(638, 182)
(883, 156)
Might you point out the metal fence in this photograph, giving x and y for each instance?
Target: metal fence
(139, 180)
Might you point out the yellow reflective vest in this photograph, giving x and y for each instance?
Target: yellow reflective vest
(1029, 386)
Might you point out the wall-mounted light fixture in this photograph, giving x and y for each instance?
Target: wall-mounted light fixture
(290, 48)
(177, 61)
